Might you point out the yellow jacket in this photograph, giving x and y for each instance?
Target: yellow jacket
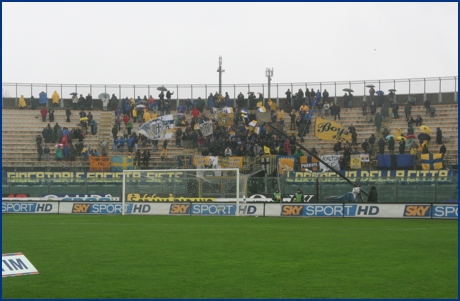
(153, 115)
(146, 116)
(134, 112)
(280, 115)
(22, 102)
(304, 108)
(55, 97)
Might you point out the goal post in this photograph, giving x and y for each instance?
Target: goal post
(216, 185)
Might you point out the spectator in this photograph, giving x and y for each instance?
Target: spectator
(373, 195)
(443, 150)
(438, 136)
(385, 113)
(432, 111)
(345, 100)
(408, 110)
(381, 145)
(373, 108)
(395, 109)
(55, 98)
(46, 151)
(402, 146)
(418, 120)
(364, 107)
(337, 147)
(427, 105)
(371, 144)
(391, 146)
(326, 108)
(43, 112)
(22, 103)
(39, 151)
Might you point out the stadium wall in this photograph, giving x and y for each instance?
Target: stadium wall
(343, 210)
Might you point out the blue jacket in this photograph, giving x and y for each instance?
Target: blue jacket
(122, 141)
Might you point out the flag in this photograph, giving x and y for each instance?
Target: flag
(229, 110)
(257, 130)
(355, 161)
(268, 163)
(231, 162)
(285, 164)
(160, 128)
(262, 109)
(331, 160)
(364, 157)
(185, 161)
(253, 123)
(206, 128)
(120, 163)
(330, 130)
(266, 150)
(309, 163)
(263, 117)
(244, 111)
(431, 161)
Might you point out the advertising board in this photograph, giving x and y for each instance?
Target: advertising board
(445, 211)
(30, 207)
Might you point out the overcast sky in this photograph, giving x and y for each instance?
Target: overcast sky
(180, 43)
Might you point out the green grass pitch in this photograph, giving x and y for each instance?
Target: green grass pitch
(97, 256)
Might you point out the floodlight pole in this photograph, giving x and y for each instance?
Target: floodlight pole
(220, 74)
(269, 74)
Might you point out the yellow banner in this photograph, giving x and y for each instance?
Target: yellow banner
(330, 130)
(231, 162)
(355, 161)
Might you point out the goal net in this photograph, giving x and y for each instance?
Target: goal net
(183, 186)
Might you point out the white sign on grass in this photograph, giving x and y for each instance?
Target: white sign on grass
(16, 264)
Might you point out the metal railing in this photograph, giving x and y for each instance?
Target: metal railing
(390, 190)
(408, 86)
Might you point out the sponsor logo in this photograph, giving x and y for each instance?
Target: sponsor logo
(179, 209)
(445, 211)
(361, 210)
(417, 210)
(80, 208)
(15, 195)
(135, 197)
(321, 210)
(18, 207)
(213, 209)
(82, 198)
(248, 210)
(307, 198)
(105, 208)
(291, 210)
(136, 208)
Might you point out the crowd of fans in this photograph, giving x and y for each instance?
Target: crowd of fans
(239, 138)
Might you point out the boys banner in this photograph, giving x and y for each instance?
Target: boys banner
(309, 163)
(285, 164)
(330, 130)
(331, 160)
(160, 128)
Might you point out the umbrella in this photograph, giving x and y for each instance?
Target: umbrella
(424, 137)
(80, 124)
(83, 118)
(370, 86)
(104, 96)
(162, 88)
(60, 144)
(348, 90)
(410, 136)
(140, 106)
(389, 136)
(379, 92)
(74, 93)
(425, 129)
(250, 92)
(392, 90)
(260, 93)
(400, 138)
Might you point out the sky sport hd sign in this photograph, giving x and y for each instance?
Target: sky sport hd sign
(16, 264)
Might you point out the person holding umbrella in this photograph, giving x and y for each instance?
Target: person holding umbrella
(371, 91)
